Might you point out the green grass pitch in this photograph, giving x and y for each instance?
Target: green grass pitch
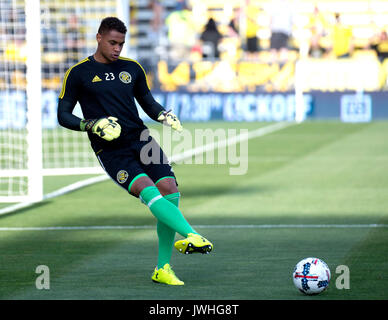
(314, 173)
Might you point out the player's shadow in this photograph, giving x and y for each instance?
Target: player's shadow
(27, 208)
(212, 191)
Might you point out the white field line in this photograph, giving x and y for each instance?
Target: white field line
(175, 158)
(59, 192)
(230, 141)
(224, 226)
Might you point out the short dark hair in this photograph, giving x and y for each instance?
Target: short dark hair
(112, 23)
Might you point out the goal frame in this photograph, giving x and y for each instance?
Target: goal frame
(33, 172)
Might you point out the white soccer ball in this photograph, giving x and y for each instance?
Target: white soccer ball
(311, 276)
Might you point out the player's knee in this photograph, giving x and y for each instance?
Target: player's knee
(167, 186)
(140, 184)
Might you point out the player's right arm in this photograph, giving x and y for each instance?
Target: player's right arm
(67, 101)
(66, 118)
(106, 128)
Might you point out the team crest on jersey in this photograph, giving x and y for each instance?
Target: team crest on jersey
(122, 176)
(125, 77)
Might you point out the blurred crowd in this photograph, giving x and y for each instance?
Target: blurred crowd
(192, 30)
(240, 34)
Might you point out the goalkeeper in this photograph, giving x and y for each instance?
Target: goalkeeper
(106, 86)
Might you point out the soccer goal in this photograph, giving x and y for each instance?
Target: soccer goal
(33, 60)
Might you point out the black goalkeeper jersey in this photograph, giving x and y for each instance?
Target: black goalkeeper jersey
(105, 90)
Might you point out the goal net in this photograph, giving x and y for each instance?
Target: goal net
(33, 60)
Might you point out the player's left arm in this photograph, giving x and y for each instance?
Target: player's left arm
(151, 107)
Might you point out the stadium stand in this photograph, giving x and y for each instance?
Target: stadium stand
(366, 19)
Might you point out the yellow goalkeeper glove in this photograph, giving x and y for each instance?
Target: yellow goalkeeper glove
(106, 128)
(170, 119)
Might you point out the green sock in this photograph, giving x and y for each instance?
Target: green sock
(173, 198)
(165, 211)
(166, 235)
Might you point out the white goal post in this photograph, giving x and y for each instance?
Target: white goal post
(34, 98)
(31, 171)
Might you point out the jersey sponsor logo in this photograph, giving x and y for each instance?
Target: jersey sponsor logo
(125, 77)
(96, 79)
(122, 176)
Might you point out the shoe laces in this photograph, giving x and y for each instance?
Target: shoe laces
(169, 269)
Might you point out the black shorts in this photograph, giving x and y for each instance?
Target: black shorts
(125, 164)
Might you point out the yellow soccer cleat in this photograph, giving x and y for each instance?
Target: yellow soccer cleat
(166, 275)
(194, 243)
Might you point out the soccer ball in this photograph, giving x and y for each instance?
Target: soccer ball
(311, 276)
